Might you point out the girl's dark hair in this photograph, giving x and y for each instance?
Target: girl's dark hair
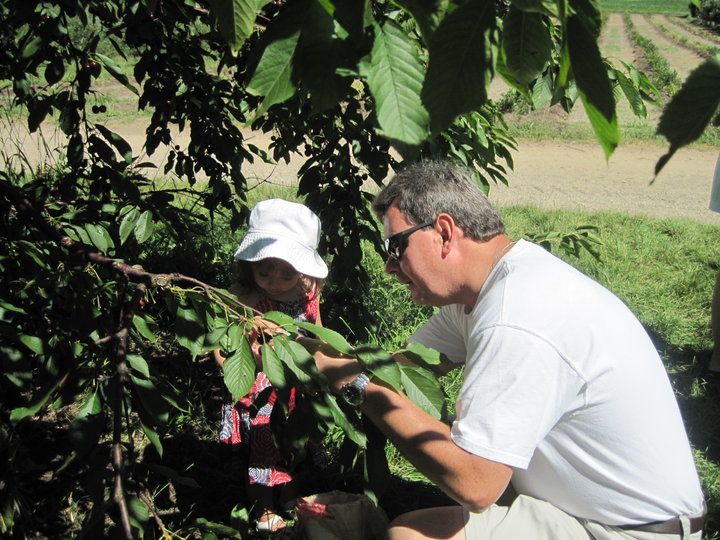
(245, 280)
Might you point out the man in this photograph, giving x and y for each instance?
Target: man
(563, 395)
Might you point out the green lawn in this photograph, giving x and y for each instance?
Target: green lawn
(645, 6)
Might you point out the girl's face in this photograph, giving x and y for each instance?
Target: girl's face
(275, 277)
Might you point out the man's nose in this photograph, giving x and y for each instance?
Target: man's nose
(391, 266)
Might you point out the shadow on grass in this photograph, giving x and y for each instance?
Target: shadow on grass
(698, 393)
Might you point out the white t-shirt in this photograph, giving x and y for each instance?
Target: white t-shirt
(563, 384)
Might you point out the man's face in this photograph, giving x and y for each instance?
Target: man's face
(420, 254)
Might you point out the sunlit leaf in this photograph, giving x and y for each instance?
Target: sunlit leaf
(332, 338)
(395, 76)
(34, 343)
(423, 389)
(239, 371)
(116, 72)
(272, 78)
(235, 20)
(128, 223)
(273, 367)
(381, 364)
(144, 226)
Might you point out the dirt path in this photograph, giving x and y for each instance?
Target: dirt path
(574, 175)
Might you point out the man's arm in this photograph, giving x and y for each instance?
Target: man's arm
(472, 481)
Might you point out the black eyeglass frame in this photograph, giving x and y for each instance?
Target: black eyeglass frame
(396, 244)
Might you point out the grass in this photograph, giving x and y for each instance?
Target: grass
(664, 270)
(645, 6)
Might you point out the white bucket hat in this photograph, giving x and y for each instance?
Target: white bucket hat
(287, 231)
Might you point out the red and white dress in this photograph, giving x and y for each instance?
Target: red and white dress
(247, 421)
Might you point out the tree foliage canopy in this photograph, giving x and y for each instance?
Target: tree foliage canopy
(358, 88)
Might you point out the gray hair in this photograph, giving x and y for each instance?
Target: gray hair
(423, 190)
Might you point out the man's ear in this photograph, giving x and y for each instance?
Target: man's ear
(446, 226)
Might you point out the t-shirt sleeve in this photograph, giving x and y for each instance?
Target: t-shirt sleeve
(441, 333)
(516, 387)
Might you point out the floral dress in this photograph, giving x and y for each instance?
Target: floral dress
(246, 423)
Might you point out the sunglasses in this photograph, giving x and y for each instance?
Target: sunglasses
(396, 244)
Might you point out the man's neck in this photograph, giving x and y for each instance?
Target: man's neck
(482, 257)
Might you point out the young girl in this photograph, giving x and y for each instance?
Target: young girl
(279, 269)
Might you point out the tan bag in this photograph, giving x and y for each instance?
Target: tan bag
(337, 515)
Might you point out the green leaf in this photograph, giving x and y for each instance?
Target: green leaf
(115, 71)
(589, 12)
(144, 226)
(427, 14)
(542, 90)
(235, 20)
(138, 512)
(35, 344)
(88, 425)
(381, 364)
(527, 44)
(298, 360)
(318, 57)
(395, 76)
(55, 70)
(281, 319)
(239, 371)
(151, 399)
(341, 420)
(461, 59)
(120, 144)
(189, 330)
(141, 325)
(419, 353)
(332, 338)
(128, 223)
(272, 77)
(31, 47)
(423, 389)
(99, 237)
(691, 109)
(273, 367)
(37, 403)
(173, 475)
(631, 94)
(593, 83)
(153, 437)
(544, 7)
(139, 364)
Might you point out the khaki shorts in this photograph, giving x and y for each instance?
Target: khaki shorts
(533, 519)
